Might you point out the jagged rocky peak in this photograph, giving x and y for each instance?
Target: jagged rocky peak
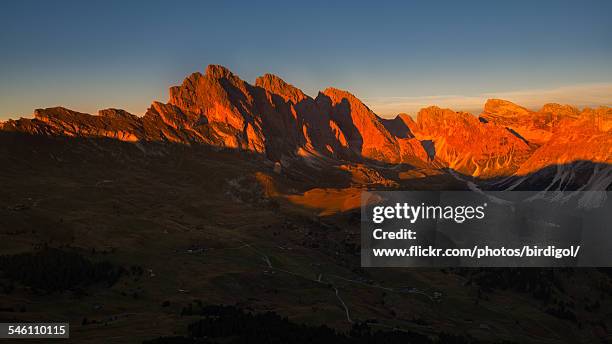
(599, 119)
(401, 126)
(57, 111)
(115, 113)
(587, 138)
(560, 110)
(337, 95)
(71, 121)
(205, 86)
(344, 102)
(534, 127)
(504, 108)
(276, 85)
(406, 118)
(218, 72)
(434, 118)
(218, 95)
(467, 145)
(364, 130)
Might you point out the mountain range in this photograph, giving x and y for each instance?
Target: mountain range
(277, 120)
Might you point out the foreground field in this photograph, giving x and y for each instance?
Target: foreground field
(190, 225)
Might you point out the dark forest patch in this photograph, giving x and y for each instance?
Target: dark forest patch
(229, 324)
(53, 270)
(541, 283)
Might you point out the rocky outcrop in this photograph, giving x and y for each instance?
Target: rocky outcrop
(465, 144)
(585, 138)
(562, 133)
(112, 123)
(535, 127)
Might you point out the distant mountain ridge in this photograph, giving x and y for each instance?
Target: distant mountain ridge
(276, 119)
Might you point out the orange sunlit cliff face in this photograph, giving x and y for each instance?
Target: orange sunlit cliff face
(276, 119)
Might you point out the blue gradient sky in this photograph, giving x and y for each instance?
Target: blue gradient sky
(395, 56)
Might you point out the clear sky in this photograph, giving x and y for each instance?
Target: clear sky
(396, 56)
